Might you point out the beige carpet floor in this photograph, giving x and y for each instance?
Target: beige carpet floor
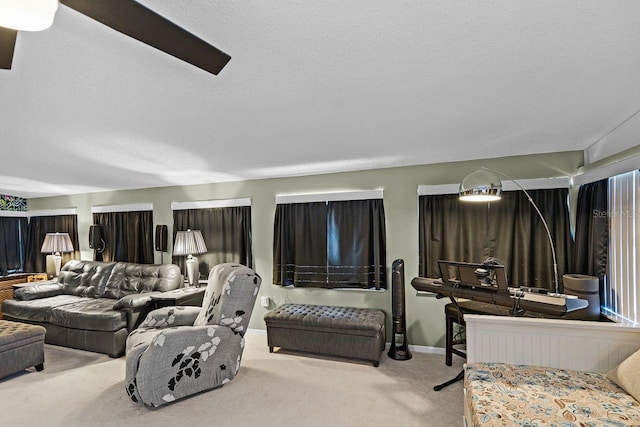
(80, 388)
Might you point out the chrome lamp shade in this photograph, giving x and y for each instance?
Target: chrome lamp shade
(188, 243)
(27, 15)
(55, 244)
(481, 186)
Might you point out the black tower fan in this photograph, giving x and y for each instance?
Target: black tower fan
(398, 352)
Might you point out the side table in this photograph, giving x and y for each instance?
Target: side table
(182, 296)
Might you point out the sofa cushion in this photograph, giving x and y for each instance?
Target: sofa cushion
(128, 278)
(85, 278)
(40, 290)
(94, 314)
(37, 310)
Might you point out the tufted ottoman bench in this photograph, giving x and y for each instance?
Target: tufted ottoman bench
(357, 333)
(21, 346)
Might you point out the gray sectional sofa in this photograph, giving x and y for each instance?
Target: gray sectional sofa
(93, 305)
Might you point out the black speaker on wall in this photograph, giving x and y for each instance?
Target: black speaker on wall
(398, 351)
(95, 237)
(161, 238)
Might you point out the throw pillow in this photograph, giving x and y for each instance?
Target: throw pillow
(627, 375)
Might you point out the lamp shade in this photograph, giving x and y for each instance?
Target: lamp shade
(189, 242)
(27, 15)
(57, 243)
(480, 186)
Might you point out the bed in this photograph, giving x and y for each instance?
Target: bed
(548, 372)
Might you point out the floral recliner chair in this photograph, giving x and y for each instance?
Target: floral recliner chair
(180, 351)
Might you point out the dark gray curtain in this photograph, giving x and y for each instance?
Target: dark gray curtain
(356, 244)
(39, 226)
(330, 245)
(300, 244)
(12, 244)
(128, 236)
(592, 231)
(226, 232)
(509, 230)
(452, 230)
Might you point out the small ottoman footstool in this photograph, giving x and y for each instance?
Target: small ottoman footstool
(21, 346)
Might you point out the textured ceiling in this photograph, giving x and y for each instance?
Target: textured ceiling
(314, 87)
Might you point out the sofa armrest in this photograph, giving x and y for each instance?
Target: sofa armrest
(43, 290)
(136, 307)
(166, 317)
(135, 301)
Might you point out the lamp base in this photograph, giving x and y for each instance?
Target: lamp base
(52, 265)
(57, 262)
(192, 270)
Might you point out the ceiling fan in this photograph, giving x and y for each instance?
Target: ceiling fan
(134, 20)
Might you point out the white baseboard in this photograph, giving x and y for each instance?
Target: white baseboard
(421, 349)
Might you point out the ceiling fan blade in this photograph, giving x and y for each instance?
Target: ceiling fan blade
(7, 45)
(135, 20)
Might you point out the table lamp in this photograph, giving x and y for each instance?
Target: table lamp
(56, 244)
(188, 243)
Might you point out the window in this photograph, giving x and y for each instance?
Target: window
(509, 230)
(49, 221)
(12, 244)
(621, 297)
(127, 233)
(330, 243)
(225, 227)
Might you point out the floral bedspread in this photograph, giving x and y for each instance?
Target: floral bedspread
(516, 395)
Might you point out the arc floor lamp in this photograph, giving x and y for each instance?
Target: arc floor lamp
(484, 185)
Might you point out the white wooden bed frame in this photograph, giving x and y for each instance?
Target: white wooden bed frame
(556, 343)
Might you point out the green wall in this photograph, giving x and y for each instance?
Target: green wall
(425, 316)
